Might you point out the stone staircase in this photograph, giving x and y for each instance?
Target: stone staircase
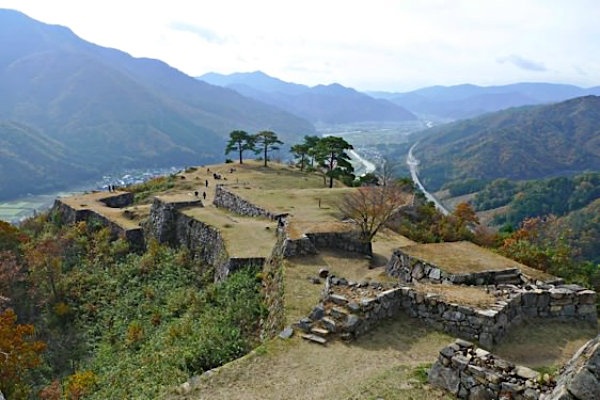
(333, 318)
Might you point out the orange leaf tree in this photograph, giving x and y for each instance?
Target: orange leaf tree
(19, 353)
(371, 207)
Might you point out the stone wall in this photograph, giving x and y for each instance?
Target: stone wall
(167, 224)
(162, 221)
(273, 289)
(234, 203)
(409, 269)
(311, 242)
(69, 215)
(120, 200)
(469, 372)
(351, 309)
(299, 247)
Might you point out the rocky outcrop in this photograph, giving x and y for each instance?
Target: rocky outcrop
(469, 372)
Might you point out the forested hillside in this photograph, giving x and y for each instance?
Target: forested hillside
(110, 323)
(517, 144)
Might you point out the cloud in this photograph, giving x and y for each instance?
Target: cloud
(203, 33)
(522, 63)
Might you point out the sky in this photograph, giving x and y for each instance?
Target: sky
(375, 45)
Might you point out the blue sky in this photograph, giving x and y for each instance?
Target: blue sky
(376, 45)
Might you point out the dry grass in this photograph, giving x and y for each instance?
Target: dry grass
(378, 364)
(542, 343)
(244, 236)
(463, 295)
(301, 295)
(302, 204)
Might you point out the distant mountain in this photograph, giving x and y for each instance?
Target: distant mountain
(100, 109)
(521, 143)
(330, 104)
(466, 101)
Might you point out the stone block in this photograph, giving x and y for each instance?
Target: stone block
(444, 377)
(329, 324)
(317, 313)
(526, 373)
(586, 309)
(586, 297)
(584, 385)
(338, 313)
(560, 293)
(352, 321)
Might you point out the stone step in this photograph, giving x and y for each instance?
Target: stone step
(319, 331)
(314, 338)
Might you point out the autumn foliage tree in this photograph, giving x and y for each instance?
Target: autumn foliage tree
(19, 353)
(371, 207)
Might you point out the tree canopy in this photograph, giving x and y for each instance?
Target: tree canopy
(266, 141)
(330, 153)
(371, 207)
(240, 141)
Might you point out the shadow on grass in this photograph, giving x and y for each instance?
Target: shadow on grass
(537, 342)
(406, 334)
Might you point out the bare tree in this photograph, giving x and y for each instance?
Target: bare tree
(370, 207)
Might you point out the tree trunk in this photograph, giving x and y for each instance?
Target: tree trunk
(265, 155)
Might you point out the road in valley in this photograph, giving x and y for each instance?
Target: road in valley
(412, 165)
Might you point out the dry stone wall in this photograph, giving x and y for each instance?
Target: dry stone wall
(234, 203)
(120, 200)
(409, 269)
(69, 215)
(168, 224)
(310, 243)
(469, 372)
(352, 308)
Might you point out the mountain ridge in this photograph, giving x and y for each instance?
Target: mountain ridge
(320, 104)
(530, 142)
(108, 109)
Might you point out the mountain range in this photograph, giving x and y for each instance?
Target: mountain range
(467, 101)
(529, 142)
(321, 104)
(71, 110)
